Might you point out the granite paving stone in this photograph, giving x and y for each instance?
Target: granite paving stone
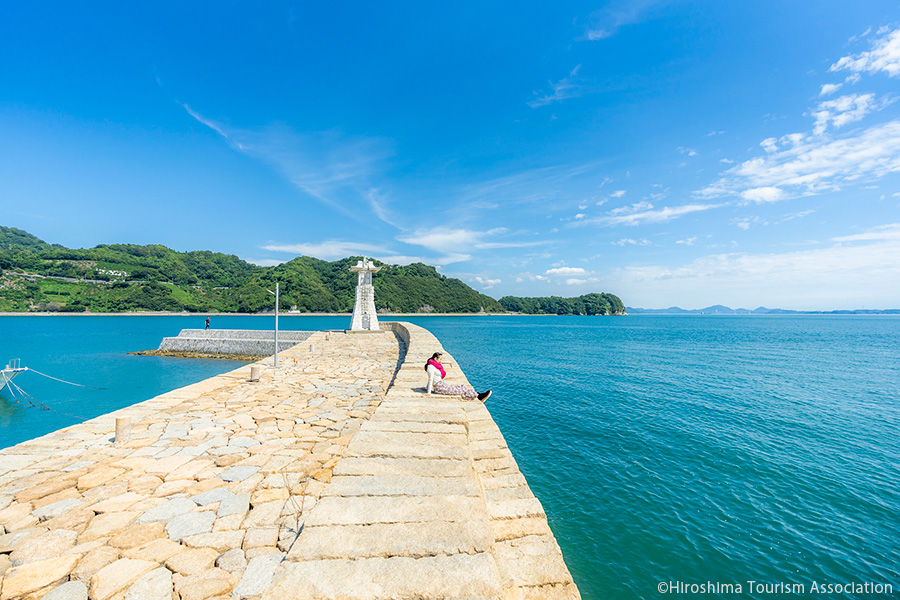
(70, 590)
(168, 511)
(190, 524)
(238, 473)
(154, 585)
(258, 575)
(30, 577)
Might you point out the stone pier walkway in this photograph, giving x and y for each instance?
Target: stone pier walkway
(334, 476)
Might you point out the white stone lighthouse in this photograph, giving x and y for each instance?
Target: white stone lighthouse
(364, 316)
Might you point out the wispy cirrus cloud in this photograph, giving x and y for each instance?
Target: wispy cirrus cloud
(882, 233)
(570, 86)
(632, 242)
(644, 212)
(543, 186)
(453, 244)
(338, 170)
(606, 22)
(329, 249)
(565, 271)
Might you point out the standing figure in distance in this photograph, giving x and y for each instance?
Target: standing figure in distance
(207, 322)
(436, 374)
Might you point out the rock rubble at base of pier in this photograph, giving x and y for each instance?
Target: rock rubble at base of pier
(333, 476)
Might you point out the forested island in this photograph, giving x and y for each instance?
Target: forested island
(42, 277)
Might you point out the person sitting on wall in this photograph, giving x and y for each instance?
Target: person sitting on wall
(436, 374)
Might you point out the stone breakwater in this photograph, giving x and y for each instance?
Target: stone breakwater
(334, 476)
(240, 342)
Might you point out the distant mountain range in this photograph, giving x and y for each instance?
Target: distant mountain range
(719, 309)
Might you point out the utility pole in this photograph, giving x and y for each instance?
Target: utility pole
(275, 293)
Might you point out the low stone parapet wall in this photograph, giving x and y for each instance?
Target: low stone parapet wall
(243, 342)
(244, 334)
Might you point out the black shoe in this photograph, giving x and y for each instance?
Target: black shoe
(484, 395)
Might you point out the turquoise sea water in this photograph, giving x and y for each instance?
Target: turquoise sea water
(691, 449)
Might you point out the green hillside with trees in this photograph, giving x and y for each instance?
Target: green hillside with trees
(37, 276)
(589, 304)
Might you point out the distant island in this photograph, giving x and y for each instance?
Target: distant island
(36, 276)
(718, 309)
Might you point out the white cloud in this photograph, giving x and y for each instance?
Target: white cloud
(606, 22)
(330, 249)
(830, 88)
(636, 207)
(378, 202)
(486, 283)
(688, 242)
(868, 30)
(567, 87)
(762, 194)
(574, 281)
(579, 216)
(453, 243)
(843, 110)
(539, 186)
(208, 122)
(746, 222)
(649, 215)
(447, 240)
(884, 57)
(857, 270)
(337, 170)
(883, 233)
(631, 242)
(566, 271)
(617, 194)
(801, 164)
(769, 144)
(688, 151)
(796, 215)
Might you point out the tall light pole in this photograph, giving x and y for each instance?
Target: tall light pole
(275, 293)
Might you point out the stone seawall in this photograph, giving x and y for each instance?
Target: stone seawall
(243, 342)
(334, 476)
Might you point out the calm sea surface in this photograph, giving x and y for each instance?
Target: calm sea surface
(686, 449)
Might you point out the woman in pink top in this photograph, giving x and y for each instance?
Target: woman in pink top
(436, 374)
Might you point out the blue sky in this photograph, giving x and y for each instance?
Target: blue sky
(673, 153)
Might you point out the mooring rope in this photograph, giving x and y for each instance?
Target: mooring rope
(93, 387)
(28, 397)
(35, 403)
